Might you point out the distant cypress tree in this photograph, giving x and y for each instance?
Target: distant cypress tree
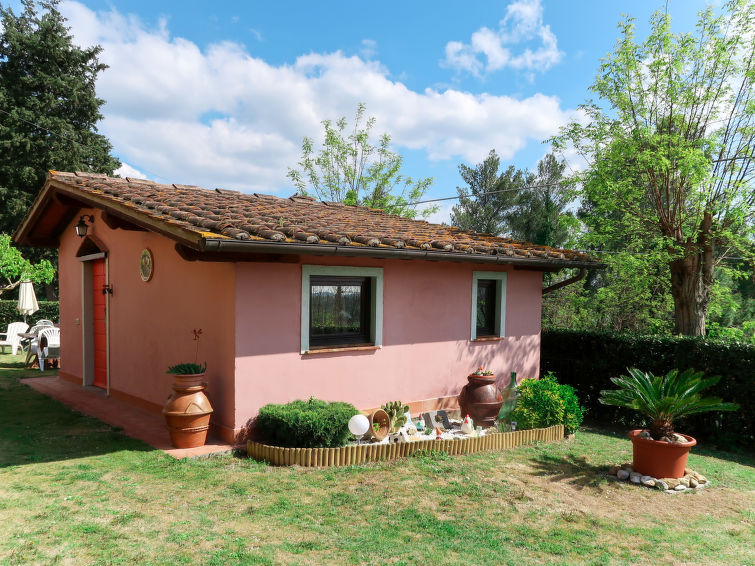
(48, 106)
(488, 196)
(540, 213)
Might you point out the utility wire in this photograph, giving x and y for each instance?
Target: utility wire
(531, 187)
(641, 253)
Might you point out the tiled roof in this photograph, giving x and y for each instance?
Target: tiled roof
(232, 215)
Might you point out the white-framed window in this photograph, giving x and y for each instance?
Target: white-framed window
(488, 304)
(341, 307)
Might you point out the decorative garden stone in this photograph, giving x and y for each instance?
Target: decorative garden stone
(396, 437)
(437, 419)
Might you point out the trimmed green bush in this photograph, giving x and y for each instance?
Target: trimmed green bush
(588, 361)
(544, 402)
(306, 424)
(8, 313)
(573, 411)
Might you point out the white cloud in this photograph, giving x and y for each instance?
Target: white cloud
(221, 117)
(125, 170)
(492, 50)
(442, 215)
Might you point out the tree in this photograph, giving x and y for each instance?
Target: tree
(526, 206)
(488, 196)
(350, 169)
(539, 214)
(48, 107)
(14, 268)
(671, 157)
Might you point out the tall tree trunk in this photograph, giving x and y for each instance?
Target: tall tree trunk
(691, 278)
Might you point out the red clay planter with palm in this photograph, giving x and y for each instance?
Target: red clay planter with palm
(659, 451)
(659, 459)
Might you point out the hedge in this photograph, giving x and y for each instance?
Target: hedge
(8, 313)
(587, 361)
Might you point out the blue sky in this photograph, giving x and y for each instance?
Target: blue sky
(220, 94)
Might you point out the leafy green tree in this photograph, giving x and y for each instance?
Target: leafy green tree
(14, 268)
(671, 156)
(488, 196)
(48, 106)
(350, 169)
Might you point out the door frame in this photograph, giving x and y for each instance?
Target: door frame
(87, 319)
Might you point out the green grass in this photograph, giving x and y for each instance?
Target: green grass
(75, 491)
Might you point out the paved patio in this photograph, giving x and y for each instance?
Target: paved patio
(135, 422)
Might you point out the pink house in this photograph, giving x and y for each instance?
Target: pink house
(295, 298)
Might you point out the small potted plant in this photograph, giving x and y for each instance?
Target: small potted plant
(480, 398)
(659, 451)
(187, 411)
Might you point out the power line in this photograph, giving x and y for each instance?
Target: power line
(524, 188)
(643, 253)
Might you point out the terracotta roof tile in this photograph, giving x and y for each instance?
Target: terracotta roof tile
(242, 216)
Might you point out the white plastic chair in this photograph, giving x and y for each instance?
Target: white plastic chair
(48, 345)
(12, 337)
(30, 344)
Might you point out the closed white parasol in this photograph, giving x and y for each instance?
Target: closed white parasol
(27, 300)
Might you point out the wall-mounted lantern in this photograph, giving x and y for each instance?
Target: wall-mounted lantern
(81, 227)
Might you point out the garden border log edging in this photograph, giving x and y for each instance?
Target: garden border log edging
(361, 453)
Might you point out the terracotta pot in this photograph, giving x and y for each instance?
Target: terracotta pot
(188, 379)
(481, 400)
(381, 417)
(659, 459)
(187, 413)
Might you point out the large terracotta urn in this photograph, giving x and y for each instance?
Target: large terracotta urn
(659, 459)
(481, 400)
(187, 411)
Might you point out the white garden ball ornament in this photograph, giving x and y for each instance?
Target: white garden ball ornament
(358, 425)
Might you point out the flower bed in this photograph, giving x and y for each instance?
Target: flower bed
(357, 454)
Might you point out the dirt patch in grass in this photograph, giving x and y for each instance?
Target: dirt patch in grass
(605, 497)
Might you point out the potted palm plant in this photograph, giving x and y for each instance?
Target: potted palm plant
(659, 451)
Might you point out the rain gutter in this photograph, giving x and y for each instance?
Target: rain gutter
(236, 246)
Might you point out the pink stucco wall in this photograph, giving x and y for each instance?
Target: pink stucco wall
(250, 314)
(150, 323)
(426, 353)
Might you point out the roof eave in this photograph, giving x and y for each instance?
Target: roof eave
(219, 246)
(23, 234)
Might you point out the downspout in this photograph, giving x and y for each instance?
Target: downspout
(565, 282)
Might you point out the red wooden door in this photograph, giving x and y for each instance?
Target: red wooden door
(100, 329)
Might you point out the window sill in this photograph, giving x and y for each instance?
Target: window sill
(328, 350)
(488, 339)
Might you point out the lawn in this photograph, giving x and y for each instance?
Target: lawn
(76, 491)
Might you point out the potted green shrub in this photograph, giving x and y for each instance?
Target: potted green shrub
(659, 451)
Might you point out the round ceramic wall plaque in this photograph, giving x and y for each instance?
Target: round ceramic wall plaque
(146, 264)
